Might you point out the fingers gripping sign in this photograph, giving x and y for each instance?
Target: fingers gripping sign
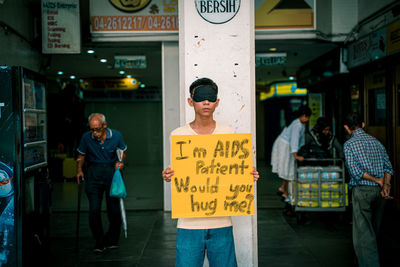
(167, 174)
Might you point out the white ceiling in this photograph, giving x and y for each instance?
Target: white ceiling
(86, 65)
(299, 52)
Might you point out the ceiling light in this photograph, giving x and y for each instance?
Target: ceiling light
(60, 72)
(90, 51)
(273, 49)
(72, 77)
(121, 72)
(129, 76)
(291, 78)
(142, 85)
(103, 60)
(327, 74)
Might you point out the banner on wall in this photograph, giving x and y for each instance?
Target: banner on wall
(367, 49)
(393, 37)
(130, 62)
(378, 44)
(315, 104)
(61, 27)
(127, 17)
(118, 84)
(271, 59)
(212, 175)
(282, 89)
(284, 14)
(121, 16)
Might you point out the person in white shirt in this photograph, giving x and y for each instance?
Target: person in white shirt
(213, 235)
(285, 148)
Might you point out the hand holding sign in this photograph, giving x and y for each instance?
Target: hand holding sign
(255, 174)
(167, 174)
(212, 175)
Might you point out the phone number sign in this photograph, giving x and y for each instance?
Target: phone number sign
(135, 23)
(124, 17)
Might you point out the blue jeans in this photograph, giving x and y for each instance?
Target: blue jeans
(191, 245)
(368, 207)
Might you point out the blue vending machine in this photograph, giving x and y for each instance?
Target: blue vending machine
(24, 186)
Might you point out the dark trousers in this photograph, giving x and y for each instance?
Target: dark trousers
(97, 183)
(368, 208)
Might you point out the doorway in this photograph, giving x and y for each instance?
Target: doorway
(396, 129)
(140, 123)
(135, 112)
(375, 105)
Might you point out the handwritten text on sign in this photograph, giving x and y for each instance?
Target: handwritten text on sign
(212, 175)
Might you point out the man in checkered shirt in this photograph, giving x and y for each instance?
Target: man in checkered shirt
(370, 173)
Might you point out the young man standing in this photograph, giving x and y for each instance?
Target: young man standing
(370, 174)
(98, 148)
(211, 234)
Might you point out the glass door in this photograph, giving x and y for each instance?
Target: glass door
(34, 122)
(375, 105)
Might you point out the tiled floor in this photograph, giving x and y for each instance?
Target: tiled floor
(323, 240)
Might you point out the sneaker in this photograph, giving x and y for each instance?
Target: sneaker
(98, 249)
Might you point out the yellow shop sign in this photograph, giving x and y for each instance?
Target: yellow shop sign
(123, 84)
(130, 5)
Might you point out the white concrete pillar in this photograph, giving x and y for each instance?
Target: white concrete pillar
(171, 104)
(225, 53)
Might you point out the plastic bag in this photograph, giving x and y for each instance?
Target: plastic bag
(117, 189)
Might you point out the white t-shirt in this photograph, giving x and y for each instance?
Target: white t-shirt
(204, 222)
(294, 135)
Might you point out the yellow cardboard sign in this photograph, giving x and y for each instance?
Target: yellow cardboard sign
(212, 175)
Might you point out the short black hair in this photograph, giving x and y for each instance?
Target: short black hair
(304, 110)
(354, 120)
(321, 124)
(201, 82)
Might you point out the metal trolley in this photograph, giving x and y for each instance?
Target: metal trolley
(320, 187)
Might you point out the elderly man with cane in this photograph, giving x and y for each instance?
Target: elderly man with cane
(98, 149)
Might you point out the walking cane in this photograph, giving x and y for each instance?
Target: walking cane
(78, 216)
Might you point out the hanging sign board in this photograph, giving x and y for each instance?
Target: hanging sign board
(122, 17)
(282, 89)
(393, 38)
(212, 175)
(367, 49)
(130, 5)
(123, 84)
(130, 62)
(217, 11)
(271, 59)
(288, 14)
(61, 27)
